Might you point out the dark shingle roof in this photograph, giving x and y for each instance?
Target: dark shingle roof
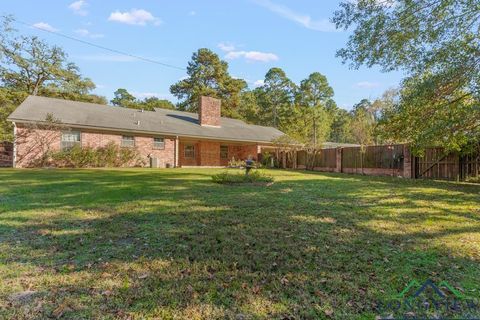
(160, 121)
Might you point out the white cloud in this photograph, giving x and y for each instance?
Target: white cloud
(367, 85)
(302, 19)
(44, 26)
(137, 17)
(86, 33)
(78, 7)
(232, 54)
(226, 46)
(259, 83)
(192, 13)
(252, 56)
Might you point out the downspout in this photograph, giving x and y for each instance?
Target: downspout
(176, 153)
(14, 161)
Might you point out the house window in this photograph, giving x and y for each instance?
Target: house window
(70, 139)
(128, 141)
(189, 151)
(158, 143)
(223, 152)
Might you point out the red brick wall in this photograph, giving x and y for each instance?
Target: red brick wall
(207, 153)
(33, 143)
(243, 152)
(182, 161)
(99, 139)
(209, 111)
(166, 156)
(231, 154)
(6, 154)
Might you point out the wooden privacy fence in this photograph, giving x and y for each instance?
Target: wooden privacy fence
(372, 160)
(375, 160)
(325, 160)
(436, 164)
(6, 154)
(387, 160)
(470, 166)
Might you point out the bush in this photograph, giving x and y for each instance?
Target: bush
(234, 163)
(87, 157)
(235, 178)
(269, 160)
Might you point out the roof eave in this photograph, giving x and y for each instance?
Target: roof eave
(172, 134)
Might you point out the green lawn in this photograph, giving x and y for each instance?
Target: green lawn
(161, 244)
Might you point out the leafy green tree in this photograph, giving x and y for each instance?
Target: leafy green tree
(153, 102)
(341, 126)
(208, 75)
(31, 65)
(248, 108)
(425, 118)
(315, 90)
(313, 96)
(383, 108)
(123, 98)
(276, 99)
(9, 100)
(437, 44)
(363, 123)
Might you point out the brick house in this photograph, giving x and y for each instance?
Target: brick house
(165, 138)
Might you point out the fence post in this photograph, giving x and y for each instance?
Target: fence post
(460, 170)
(407, 162)
(338, 158)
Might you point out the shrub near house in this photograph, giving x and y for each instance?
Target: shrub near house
(109, 156)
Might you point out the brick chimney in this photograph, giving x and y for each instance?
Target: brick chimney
(209, 112)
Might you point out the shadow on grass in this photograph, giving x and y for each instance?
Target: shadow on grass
(172, 243)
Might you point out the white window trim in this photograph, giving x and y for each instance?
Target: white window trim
(79, 142)
(224, 146)
(155, 147)
(185, 151)
(127, 146)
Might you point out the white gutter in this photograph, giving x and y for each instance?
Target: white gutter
(14, 162)
(176, 152)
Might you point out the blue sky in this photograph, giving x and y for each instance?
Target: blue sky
(252, 35)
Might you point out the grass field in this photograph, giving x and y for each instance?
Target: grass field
(161, 244)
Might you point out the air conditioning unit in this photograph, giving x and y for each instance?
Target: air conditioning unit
(154, 163)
